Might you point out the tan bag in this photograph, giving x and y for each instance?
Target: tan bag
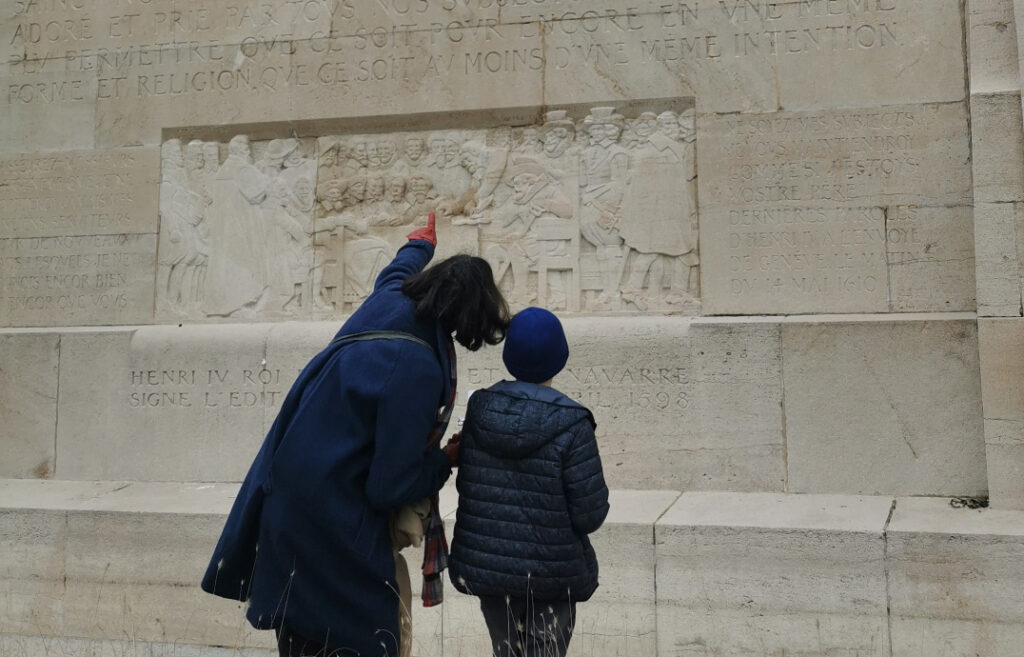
(409, 524)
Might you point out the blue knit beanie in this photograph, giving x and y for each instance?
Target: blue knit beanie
(535, 346)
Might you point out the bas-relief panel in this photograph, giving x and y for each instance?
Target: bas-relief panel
(589, 214)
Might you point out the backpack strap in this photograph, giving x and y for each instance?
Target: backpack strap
(381, 335)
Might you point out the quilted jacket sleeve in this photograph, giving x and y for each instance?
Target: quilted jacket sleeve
(585, 489)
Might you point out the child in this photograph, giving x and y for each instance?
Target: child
(530, 490)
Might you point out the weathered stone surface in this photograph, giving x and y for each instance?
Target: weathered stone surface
(930, 253)
(955, 580)
(799, 211)
(741, 56)
(658, 426)
(998, 238)
(891, 407)
(35, 645)
(992, 46)
(620, 620)
(762, 573)
(1001, 343)
(47, 110)
(28, 403)
(77, 279)
(177, 404)
(997, 147)
(289, 228)
(79, 193)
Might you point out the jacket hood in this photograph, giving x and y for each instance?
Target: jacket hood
(512, 419)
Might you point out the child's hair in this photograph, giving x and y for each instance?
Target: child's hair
(460, 293)
(535, 347)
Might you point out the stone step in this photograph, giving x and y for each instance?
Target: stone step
(858, 404)
(100, 568)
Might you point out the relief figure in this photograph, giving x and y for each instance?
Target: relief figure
(236, 271)
(652, 224)
(604, 166)
(183, 248)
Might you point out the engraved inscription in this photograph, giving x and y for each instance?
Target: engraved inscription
(608, 390)
(596, 213)
(118, 50)
(78, 278)
(79, 193)
(801, 212)
(203, 389)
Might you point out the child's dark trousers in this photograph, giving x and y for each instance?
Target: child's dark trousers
(522, 627)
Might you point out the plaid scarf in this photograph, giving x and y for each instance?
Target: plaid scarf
(435, 545)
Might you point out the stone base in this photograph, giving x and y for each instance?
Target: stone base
(856, 404)
(110, 569)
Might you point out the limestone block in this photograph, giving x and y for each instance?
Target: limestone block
(32, 551)
(105, 192)
(998, 236)
(77, 279)
(28, 403)
(764, 573)
(44, 646)
(657, 426)
(46, 107)
(737, 406)
(176, 404)
(954, 580)
(207, 84)
(89, 35)
(620, 620)
(795, 206)
(732, 52)
(891, 407)
(54, 494)
(997, 147)
(930, 253)
(992, 46)
(32, 544)
(625, 55)
(1001, 345)
(162, 613)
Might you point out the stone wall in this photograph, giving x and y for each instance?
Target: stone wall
(786, 239)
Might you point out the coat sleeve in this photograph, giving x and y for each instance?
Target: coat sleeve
(410, 259)
(585, 489)
(403, 468)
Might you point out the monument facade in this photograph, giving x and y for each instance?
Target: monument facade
(786, 240)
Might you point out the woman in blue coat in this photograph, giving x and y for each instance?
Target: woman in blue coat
(307, 541)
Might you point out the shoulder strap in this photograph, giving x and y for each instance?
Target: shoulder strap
(381, 335)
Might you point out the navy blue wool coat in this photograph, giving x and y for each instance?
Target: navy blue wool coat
(347, 448)
(531, 488)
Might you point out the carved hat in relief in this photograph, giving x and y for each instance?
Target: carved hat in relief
(603, 116)
(535, 347)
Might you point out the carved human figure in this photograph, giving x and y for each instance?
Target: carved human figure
(604, 166)
(507, 242)
(235, 275)
(415, 152)
(685, 281)
(289, 246)
(659, 210)
(201, 162)
(181, 243)
(557, 133)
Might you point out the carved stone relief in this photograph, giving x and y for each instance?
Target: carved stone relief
(597, 214)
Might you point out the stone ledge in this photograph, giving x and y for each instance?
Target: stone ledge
(93, 565)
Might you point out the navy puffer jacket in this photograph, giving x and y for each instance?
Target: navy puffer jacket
(530, 490)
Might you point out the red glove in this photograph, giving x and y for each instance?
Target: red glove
(427, 233)
(452, 449)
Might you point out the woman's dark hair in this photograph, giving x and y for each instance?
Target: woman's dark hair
(460, 293)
